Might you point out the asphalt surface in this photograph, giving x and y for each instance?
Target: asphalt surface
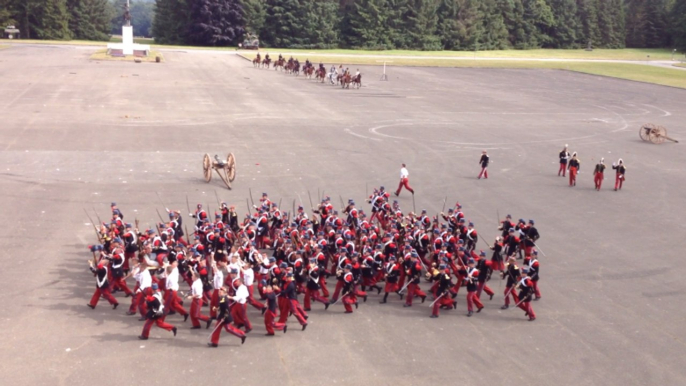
(77, 134)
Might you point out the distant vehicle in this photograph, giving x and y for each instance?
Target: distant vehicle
(251, 42)
(11, 32)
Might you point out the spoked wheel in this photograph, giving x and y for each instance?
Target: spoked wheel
(231, 167)
(223, 174)
(207, 167)
(645, 131)
(657, 136)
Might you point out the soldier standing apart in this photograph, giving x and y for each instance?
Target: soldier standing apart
(484, 164)
(621, 169)
(598, 174)
(564, 157)
(404, 181)
(574, 166)
(224, 320)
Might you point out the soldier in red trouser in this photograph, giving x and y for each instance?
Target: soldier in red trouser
(598, 174)
(442, 292)
(526, 293)
(404, 181)
(483, 161)
(413, 275)
(574, 166)
(270, 315)
(312, 286)
(621, 170)
(224, 321)
(512, 274)
(292, 296)
(564, 157)
(102, 286)
(155, 315)
(349, 297)
(196, 303)
(472, 279)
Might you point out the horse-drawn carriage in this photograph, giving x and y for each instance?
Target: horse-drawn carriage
(654, 134)
(225, 169)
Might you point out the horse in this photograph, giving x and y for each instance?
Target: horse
(266, 62)
(256, 61)
(296, 68)
(279, 64)
(357, 81)
(345, 80)
(321, 74)
(308, 70)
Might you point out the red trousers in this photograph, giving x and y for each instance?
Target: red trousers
(310, 295)
(472, 300)
(297, 311)
(406, 183)
(348, 300)
(228, 327)
(270, 324)
(173, 303)
(412, 291)
(240, 317)
(537, 292)
(105, 292)
(337, 291)
(481, 286)
(284, 308)
(526, 307)
(159, 322)
(120, 284)
(484, 172)
(598, 180)
(510, 291)
(322, 284)
(572, 176)
(563, 170)
(252, 301)
(214, 302)
(196, 314)
(618, 181)
(445, 300)
(391, 287)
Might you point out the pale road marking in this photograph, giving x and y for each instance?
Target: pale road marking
(666, 113)
(621, 117)
(360, 136)
(374, 130)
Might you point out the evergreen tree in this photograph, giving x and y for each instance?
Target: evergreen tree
(368, 26)
(254, 13)
(646, 23)
(215, 22)
(51, 20)
(450, 29)
(7, 13)
(90, 19)
(587, 14)
(564, 33)
(420, 25)
(677, 21)
(283, 27)
(489, 31)
(538, 23)
(172, 18)
(320, 22)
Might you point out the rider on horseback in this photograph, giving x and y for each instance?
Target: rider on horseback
(266, 57)
(332, 73)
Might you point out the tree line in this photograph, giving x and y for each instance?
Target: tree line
(370, 24)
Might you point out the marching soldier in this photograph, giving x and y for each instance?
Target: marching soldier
(574, 166)
(621, 170)
(102, 286)
(196, 304)
(442, 298)
(155, 315)
(526, 293)
(598, 174)
(533, 265)
(531, 236)
(224, 320)
(270, 316)
(564, 157)
(483, 161)
(512, 274)
(392, 273)
(404, 181)
(472, 285)
(414, 272)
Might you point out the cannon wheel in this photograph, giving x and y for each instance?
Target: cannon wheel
(645, 130)
(658, 135)
(224, 175)
(231, 166)
(207, 167)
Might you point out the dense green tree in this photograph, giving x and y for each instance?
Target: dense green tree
(587, 14)
(489, 31)
(283, 28)
(677, 21)
(320, 21)
(368, 24)
(7, 13)
(646, 23)
(90, 19)
(564, 32)
(420, 24)
(172, 18)
(451, 29)
(215, 22)
(254, 13)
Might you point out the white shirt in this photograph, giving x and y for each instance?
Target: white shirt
(241, 294)
(196, 289)
(404, 173)
(145, 279)
(172, 282)
(218, 280)
(248, 277)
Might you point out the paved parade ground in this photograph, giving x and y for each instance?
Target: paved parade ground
(77, 134)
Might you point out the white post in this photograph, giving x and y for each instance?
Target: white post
(384, 76)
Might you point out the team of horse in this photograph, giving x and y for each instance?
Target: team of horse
(292, 66)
